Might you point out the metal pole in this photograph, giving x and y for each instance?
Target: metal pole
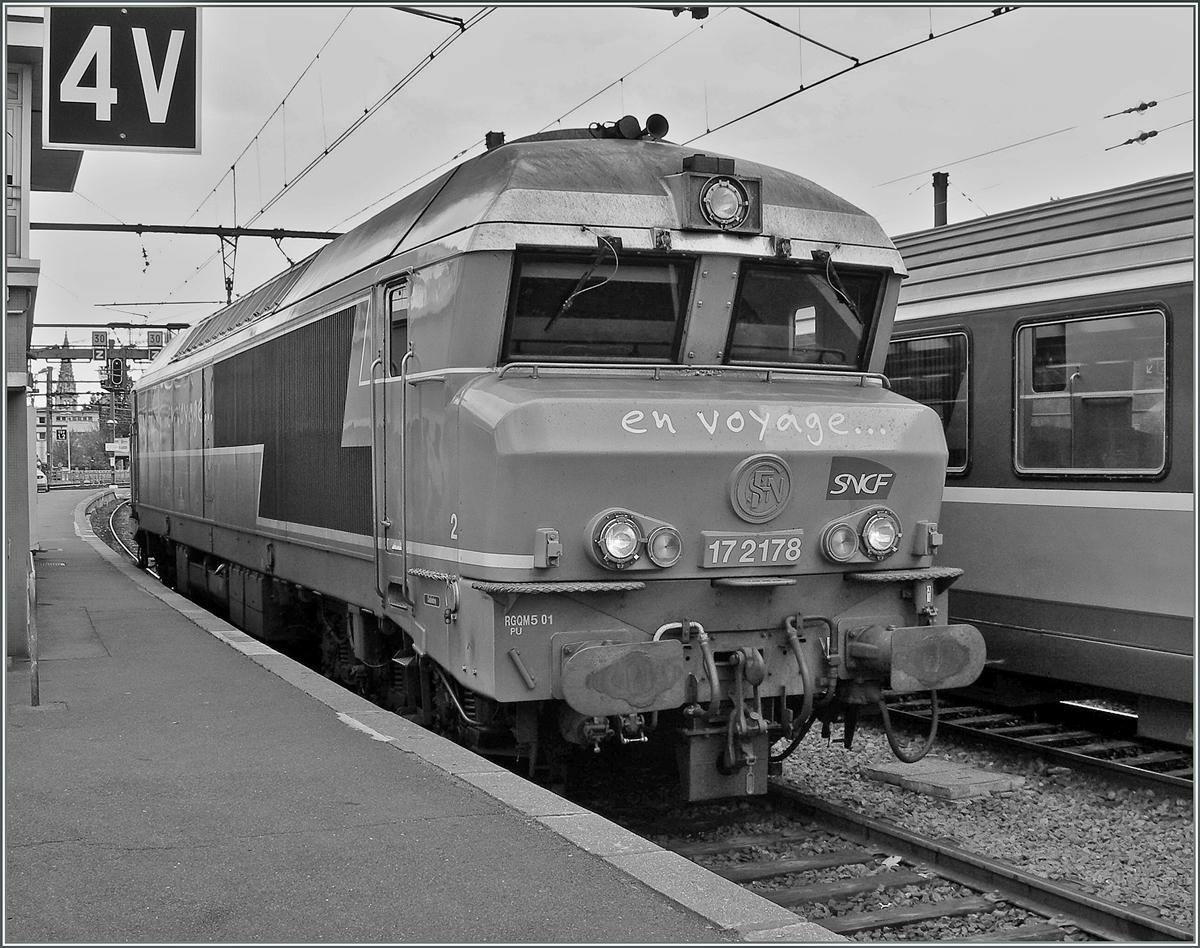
(35, 690)
(112, 432)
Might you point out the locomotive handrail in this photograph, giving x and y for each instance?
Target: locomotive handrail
(375, 521)
(657, 368)
(404, 473)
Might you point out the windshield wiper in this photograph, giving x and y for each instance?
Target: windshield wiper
(831, 277)
(579, 287)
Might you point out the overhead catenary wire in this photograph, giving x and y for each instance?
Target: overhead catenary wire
(383, 100)
(459, 154)
(1025, 141)
(622, 78)
(1144, 137)
(997, 12)
(947, 164)
(283, 102)
(788, 29)
(367, 114)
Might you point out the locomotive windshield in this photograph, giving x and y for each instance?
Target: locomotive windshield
(599, 308)
(787, 315)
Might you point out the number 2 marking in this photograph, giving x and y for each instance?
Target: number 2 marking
(454, 526)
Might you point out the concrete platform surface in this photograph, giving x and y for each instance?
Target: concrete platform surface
(181, 782)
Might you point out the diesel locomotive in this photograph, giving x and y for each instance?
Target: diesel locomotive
(586, 442)
(1057, 343)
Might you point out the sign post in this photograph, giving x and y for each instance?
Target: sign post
(122, 78)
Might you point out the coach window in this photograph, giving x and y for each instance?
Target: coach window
(1092, 396)
(604, 307)
(933, 370)
(397, 304)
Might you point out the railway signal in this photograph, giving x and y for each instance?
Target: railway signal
(116, 373)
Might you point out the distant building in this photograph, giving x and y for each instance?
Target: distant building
(28, 167)
(66, 423)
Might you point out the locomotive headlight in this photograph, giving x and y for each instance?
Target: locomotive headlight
(664, 546)
(724, 202)
(618, 540)
(840, 542)
(881, 534)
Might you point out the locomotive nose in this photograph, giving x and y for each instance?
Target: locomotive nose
(750, 477)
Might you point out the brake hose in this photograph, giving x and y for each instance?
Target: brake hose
(928, 745)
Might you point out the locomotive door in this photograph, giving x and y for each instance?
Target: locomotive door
(388, 414)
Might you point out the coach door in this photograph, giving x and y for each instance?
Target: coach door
(388, 412)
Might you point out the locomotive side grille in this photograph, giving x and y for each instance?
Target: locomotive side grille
(289, 395)
(254, 305)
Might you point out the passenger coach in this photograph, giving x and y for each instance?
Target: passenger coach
(1057, 344)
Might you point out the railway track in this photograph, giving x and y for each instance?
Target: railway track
(888, 879)
(1070, 738)
(873, 881)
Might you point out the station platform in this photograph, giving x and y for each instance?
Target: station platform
(179, 781)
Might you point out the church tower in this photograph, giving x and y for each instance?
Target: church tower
(64, 386)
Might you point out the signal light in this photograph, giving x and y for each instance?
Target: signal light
(116, 372)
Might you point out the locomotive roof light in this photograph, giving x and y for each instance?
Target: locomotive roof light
(881, 533)
(724, 202)
(840, 543)
(617, 540)
(664, 546)
(710, 194)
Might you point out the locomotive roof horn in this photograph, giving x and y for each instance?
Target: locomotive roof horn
(629, 127)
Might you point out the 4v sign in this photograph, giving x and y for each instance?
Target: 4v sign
(122, 78)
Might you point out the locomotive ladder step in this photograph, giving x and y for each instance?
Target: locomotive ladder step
(823, 891)
(907, 914)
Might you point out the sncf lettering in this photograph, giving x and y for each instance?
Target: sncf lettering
(862, 484)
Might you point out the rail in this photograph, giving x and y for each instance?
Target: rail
(1100, 918)
(1065, 741)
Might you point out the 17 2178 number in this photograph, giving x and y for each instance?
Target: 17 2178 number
(780, 548)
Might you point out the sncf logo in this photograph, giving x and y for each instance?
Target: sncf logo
(858, 479)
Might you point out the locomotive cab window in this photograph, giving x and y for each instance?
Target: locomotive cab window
(397, 305)
(1091, 396)
(603, 307)
(785, 315)
(933, 370)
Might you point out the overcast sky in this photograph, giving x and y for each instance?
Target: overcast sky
(1012, 107)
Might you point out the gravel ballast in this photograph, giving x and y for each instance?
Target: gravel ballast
(1135, 847)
